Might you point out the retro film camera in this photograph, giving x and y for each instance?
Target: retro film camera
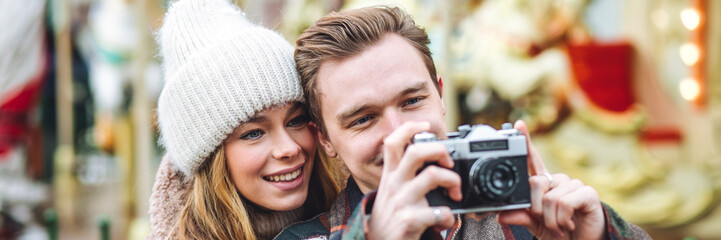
(492, 165)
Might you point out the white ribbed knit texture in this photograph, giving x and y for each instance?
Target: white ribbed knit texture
(220, 70)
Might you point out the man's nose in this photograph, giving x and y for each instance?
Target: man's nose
(392, 120)
(285, 146)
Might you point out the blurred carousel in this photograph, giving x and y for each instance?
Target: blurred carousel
(617, 93)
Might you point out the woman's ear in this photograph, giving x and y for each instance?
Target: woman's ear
(324, 142)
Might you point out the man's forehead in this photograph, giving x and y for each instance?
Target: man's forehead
(375, 75)
(344, 93)
(343, 85)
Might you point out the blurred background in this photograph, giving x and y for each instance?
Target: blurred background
(624, 95)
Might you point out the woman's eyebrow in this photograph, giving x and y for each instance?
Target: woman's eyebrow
(257, 119)
(294, 108)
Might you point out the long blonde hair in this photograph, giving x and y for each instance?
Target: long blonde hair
(216, 210)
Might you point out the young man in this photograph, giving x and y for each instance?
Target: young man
(371, 85)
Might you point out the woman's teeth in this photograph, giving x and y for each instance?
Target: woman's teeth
(284, 177)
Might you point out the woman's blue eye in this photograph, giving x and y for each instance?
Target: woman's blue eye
(298, 121)
(252, 134)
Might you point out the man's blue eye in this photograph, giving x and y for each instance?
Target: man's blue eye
(361, 120)
(251, 135)
(413, 101)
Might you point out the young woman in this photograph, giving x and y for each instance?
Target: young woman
(241, 158)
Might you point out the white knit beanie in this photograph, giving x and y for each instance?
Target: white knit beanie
(220, 70)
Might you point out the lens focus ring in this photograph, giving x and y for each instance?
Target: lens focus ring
(493, 179)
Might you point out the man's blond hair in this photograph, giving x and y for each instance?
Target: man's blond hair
(342, 35)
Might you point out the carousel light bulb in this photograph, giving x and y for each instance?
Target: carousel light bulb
(689, 89)
(689, 53)
(690, 18)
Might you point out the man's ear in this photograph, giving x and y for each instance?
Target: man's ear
(440, 84)
(324, 143)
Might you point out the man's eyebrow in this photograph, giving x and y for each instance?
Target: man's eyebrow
(352, 112)
(417, 87)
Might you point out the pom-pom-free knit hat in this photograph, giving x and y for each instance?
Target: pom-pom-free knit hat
(220, 70)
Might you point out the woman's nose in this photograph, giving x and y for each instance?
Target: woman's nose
(285, 146)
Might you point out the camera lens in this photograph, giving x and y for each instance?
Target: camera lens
(493, 179)
(499, 179)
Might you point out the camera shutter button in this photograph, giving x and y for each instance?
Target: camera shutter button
(424, 137)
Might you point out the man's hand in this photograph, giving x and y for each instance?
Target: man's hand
(561, 208)
(401, 210)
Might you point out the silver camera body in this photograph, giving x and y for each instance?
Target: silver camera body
(492, 165)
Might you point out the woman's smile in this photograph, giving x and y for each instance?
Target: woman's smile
(286, 179)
